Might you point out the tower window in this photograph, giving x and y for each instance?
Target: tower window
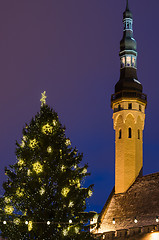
(130, 106)
(133, 62)
(119, 107)
(139, 107)
(123, 62)
(129, 133)
(138, 133)
(128, 61)
(120, 134)
(128, 24)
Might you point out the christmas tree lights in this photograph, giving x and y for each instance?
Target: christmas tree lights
(37, 167)
(33, 143)
(44, 196)
(65, 191)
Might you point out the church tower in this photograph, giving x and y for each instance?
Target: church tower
(128, 104)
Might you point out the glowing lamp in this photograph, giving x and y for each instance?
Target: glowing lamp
(48, 222)
(135, 220)
(4, 222)
(157, 220)
(113, 220)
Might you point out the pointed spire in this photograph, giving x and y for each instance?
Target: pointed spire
(127, 13)
(127, 5)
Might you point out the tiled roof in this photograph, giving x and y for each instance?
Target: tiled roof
(141, 201)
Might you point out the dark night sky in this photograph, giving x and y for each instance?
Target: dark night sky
(70, 49)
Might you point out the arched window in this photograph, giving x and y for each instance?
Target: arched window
(128, 61)
(128, 24)
(133, 62)
(120, 134)
(122, 62)
(138, 133)
(119, 107)
(139, 107)
(130, 106)
(129, 133)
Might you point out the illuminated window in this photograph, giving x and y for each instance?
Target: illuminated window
(128, 61)
(130, 106)
(128, 24)
(129, 133)
(138, 133)
(120, 134)
(123, 62)
(133, 61)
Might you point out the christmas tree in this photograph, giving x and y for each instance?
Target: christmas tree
(44, 197)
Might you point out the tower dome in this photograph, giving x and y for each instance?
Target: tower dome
(128, 84)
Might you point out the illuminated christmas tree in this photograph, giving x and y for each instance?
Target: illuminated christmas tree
(44, 197)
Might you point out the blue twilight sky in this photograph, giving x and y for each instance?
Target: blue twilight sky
(70, 49)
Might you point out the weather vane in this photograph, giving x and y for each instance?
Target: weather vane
(43, 98)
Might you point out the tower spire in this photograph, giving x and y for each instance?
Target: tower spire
(128, 56)
(127, 5)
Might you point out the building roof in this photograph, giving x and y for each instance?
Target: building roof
(141, 200)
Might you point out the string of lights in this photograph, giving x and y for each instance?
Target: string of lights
(70, 222)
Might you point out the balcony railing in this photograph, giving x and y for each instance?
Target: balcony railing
(129, 94)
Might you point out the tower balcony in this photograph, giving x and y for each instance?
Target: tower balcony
(129, 94)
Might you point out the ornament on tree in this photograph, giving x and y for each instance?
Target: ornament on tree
(84, 171)
(75, 166)
(90, 193)
(37, 167)
(16, 221)
(54, 122)
(22, 144)
(63, 168)
(42, 191)
(7, 200)
(8, 209)
(76, 230)
(60, 153)
(28, 172)
(20, 192)
(24, 138)
(65, 191)
(21, 162)
(71, 204)
(65, 232)
(68, 142)
(33, 143)
(75, 182)
(47, 129)
(30, 226)
(49, 149)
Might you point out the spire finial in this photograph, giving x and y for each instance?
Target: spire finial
(127, 5)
